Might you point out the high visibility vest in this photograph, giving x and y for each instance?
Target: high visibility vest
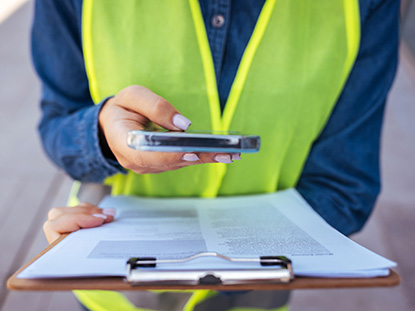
(290, 76)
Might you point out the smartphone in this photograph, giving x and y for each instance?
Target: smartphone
(223, 142)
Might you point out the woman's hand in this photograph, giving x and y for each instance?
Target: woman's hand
(134, 108)
(69, 219)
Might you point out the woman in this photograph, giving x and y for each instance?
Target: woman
(308, 77)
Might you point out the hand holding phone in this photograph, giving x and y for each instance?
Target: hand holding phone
(137, 108)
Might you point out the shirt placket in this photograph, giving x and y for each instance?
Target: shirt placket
(217, 26)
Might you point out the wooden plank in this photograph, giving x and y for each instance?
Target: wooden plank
(24, 219)
(23, 144)
(62, 301)
(43, 300)
(16, 66)
(367, 299)
(398, 224)
(24, 187)
(28, 301)
(396, 203)
(8, 191)
(20, 90)
(398, 148)
(25, 173)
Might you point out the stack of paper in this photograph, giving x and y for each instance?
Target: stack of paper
(251, 226)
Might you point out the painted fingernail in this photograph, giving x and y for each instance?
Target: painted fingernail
(223, 158)
(191, 157)
(109, 211)
(100, 216)
(236, 156)
(181, 122)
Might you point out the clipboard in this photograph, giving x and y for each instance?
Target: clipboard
(142, 270)
(120, 283)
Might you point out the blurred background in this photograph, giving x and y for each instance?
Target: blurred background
(30, 185)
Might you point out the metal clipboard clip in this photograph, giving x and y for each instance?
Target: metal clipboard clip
(275, 269)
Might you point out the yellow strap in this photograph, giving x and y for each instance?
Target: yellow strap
(212, 92)
(352, 33)
(198, 297)
(73, 194)
(208, 67)
(88, 50)
(219, 124)
(245, 64)
(98, 300)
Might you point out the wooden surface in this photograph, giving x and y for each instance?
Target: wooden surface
(118, 283)
(30, 185)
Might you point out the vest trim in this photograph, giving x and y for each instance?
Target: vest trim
(352, 14)
(222, 123)
(88, 49)
(246, 62)
(208, 66)
(212, 92)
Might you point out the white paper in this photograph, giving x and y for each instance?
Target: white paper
(281, 223)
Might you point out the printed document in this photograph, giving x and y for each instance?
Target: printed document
(275, 224)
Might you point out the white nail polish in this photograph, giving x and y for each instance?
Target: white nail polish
(223, 158)
(181, 122)
(109, 211)
(191, 157)
(236, 156)
(100, 216)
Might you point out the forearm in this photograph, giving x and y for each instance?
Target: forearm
(345, 191)
(72, 142)
(69, 124)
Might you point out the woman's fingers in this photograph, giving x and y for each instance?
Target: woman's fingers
(69, 219)
(152, 106)
(67, 223)
(116, 121)
(83, 207)
(151, 162)
(136, 108)
(80, 208)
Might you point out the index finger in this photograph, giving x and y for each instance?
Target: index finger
(154, 107)
(83, 207)
(67, 223)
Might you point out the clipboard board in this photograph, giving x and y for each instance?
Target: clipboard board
(120, 283)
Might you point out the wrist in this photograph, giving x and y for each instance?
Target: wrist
(103, 144)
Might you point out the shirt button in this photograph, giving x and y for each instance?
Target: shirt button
(218, 21)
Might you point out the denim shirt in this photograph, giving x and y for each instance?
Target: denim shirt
(340, 179)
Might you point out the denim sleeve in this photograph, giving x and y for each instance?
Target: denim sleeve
(69, 123)
(341, 178)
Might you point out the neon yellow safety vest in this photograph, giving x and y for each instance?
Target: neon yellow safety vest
(288, 81)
